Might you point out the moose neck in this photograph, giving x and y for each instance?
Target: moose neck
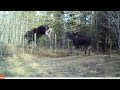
(72, 37)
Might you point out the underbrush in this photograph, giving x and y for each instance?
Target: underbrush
(32, 62)
(25, 62)
(44, 52)
(10, 50)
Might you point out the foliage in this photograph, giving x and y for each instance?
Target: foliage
(102, 26)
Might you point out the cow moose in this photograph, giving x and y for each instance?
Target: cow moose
(41, 30)
(79, 40)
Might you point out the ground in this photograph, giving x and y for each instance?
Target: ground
(26, 65)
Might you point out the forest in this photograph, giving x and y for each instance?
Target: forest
(56, 56)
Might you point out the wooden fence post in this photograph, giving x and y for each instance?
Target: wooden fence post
(55, 42)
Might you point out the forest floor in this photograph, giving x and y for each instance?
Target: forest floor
(27, 65)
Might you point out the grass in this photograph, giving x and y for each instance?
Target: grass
(19, 62)
(21, 66)
(43, 52)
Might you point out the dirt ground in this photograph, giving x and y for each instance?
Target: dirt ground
(70, 66)
(83, 66)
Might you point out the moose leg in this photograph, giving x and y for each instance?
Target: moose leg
(85, 50)
(77, 50)
(85, 53)
(37, 41)
(89, 53)
(29, 42)
(89, 49)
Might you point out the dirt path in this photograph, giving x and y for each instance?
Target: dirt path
(81, 66)
(71, 66)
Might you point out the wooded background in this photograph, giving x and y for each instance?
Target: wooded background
(101, 26)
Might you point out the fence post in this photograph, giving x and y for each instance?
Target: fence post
(50, 44)
(55, 43)
(1, 51)
(63, 43)
(35, 41)
(24, 45)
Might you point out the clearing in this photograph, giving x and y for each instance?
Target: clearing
(27, 65)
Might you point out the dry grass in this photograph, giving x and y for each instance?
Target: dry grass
(43, 63)
(39, 52)
(19, 62)
(43, 52)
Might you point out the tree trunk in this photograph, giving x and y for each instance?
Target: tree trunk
(63, 43)
(55, 42)
(1, 51)
(119, 33)
(50, 44)
(119, 43)
(35, 41)
(97, 40)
